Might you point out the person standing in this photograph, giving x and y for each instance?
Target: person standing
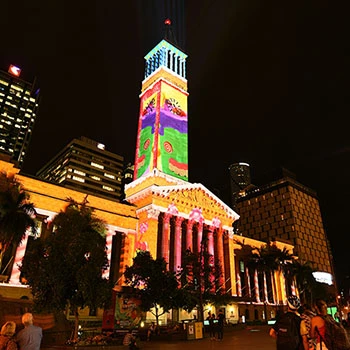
(6, 336)
(220, 325)
(306, 314)
(290, 330)
(29, 338)
(211, 319)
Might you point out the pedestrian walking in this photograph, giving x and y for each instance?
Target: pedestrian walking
(29, 338)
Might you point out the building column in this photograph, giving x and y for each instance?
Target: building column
(189, 243)
(238, 284)
(256, 286)
(109, 240)
(165, 237)
(199, 236)
(211, 241)
(266, 298)
(178, 243)
(20, 252)
(220, 257)
(247, 276)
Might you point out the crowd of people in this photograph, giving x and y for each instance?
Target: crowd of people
(308, 328)
(28, 338)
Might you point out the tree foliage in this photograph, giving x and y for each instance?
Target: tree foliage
(200, 281)
(157, 287)
(65, 269)
(17, 214)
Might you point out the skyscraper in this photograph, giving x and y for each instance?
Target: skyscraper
(86, 165)
(19, 104)
(239, 180)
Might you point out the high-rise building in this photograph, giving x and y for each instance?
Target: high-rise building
(86, 165)
(19, 102)
(239, 180)
(284, 209)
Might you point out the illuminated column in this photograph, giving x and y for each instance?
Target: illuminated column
(220, 257)
(20, 251)
(189, 244)
(181, 66)
(167, 58)
(265, 289)
(293, 288)
(247, 276)
(211, 241)
(177, 243)
(256, 285)
(109, 239)
(171, 60)
(274, 290)
(165, 237)
(238, 283)
(199, 235)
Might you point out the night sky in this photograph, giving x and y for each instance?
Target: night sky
(268, 85)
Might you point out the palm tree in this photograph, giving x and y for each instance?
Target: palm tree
(17, 214)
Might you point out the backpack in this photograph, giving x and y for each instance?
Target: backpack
(288, 332)
(336, 337)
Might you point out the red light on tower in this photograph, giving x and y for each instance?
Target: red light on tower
(16, 71)
(167, 22)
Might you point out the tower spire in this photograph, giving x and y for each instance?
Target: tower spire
(168, 32)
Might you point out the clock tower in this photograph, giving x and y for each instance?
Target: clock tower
(162, 129)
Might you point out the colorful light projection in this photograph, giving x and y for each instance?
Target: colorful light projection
(14, 70)
(162, 134)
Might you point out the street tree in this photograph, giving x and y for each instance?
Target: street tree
(17, 215)
(200, 281)
(153, 284)
(65, 269)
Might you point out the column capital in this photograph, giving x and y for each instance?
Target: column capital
(153, 213)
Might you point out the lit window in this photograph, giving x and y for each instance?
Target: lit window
(79, 172)
(110, 176)
(108, 188)
(97, 165)
(96, 178)
(77, 178)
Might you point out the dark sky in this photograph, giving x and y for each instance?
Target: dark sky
(268, 84)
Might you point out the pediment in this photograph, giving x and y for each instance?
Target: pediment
(188, 197)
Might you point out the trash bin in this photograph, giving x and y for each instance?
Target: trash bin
(198, 330)
(190, 330)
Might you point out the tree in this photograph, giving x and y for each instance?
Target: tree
(153, 283)
(200, 276)
(65, 269)
(17, 214)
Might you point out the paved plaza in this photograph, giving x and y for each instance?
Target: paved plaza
(255, 337)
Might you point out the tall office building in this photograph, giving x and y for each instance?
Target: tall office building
(286, 210)
(239, 180)
(86, 165)
(19, 104)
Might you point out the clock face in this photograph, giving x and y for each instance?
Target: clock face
(172, 103)
(174, 106)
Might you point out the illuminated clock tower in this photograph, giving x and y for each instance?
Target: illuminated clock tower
(162, 128)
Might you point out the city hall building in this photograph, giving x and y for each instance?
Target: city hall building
(165, 214)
